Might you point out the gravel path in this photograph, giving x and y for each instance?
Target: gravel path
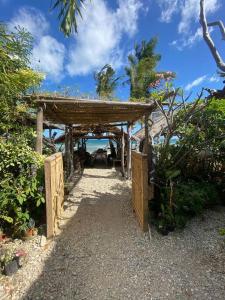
(102, 254)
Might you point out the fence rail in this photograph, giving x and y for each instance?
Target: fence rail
(54, 190)
(140, 188)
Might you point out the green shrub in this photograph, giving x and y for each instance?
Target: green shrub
(188, 200)
(21, 184)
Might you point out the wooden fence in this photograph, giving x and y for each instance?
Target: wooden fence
(140, 188)
(54, 190)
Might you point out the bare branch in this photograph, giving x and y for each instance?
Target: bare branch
(221, 27)
(219, 61)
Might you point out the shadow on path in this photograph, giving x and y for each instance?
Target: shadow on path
(87, 241)
(102, 254)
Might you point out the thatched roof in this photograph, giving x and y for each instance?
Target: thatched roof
(68, 111)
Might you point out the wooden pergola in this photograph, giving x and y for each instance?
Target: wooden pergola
(103, 131)
(72, 111)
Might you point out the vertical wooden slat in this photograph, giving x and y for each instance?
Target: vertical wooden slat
(48, 199)
(140, 188)
(54, 189)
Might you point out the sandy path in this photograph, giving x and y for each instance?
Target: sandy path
(102, 254)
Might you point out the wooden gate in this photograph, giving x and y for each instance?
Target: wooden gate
(54, 191)
(140, 188)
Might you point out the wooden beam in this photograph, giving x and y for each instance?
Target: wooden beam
(83, 102)
(89, 137)
(39, 139)
(129, 151)
(92, 121)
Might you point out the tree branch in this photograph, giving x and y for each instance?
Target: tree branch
(219, 61)
(221, 27)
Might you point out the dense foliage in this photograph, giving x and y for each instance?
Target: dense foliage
(20, 181)
(188, 174)
(16, 77)
(141, 69)
(106, 82)
(21, 189)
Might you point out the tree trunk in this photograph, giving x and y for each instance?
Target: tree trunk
(129, 151)
(39, 139)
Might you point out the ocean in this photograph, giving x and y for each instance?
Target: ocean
(93, 145)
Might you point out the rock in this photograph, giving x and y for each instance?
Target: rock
(43, 241)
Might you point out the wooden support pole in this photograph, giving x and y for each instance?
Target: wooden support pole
(129, 151)
(71, 149)
(122, 154)
(50, 133)
(67, 151)
(146, 143)
(39, 139)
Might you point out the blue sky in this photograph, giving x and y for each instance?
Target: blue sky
(107, 34)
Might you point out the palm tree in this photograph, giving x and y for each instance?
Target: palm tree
(106, 82)
(68, 11)
(141, 68)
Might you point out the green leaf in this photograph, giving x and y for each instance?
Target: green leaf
(6, 218)
(170, 174)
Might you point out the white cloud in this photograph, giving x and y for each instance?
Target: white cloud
(126, 16)
(188, 41)
(190, 13)
(214, 78)
(189, 18)
(32, 20)
(168, 9)
(100, 34)
(98, 41)
(48, 54)
(195, 83)
(205, 78)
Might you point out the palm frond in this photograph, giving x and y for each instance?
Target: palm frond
(68, 11)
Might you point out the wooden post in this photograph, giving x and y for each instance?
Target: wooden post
(71, 149)
(122, 153)
(146, 143)
(39, 139)
(129, 151)
(67, 151)
(50, 133)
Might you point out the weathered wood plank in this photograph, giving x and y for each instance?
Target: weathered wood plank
(54, 191)
(140, 188)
